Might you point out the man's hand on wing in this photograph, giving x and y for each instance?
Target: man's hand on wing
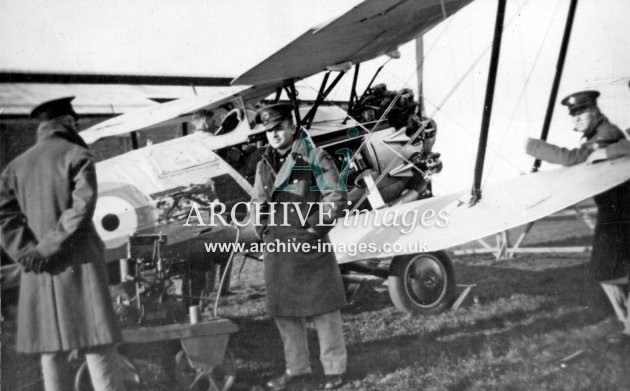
(597, 155)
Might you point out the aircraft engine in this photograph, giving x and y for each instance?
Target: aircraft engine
(378, 101)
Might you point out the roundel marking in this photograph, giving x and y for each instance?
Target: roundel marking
(115, 219)
(122, 210)
(110, 222)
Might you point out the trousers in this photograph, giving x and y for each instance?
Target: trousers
(332, 346)
(102, 362)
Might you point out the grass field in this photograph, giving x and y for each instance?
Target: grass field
(525, 315)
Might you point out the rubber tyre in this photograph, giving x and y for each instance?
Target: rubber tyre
(422, 283)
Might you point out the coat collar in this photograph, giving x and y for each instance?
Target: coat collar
(592, 131)
(62, 127)
(281, 174)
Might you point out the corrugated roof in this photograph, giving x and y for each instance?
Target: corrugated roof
(20, 98)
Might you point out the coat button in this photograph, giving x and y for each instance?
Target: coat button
(265, 187)
(295, 181)
(292, 210)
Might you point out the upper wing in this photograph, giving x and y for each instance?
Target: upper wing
(505, 205)
(370, 29)
(173, 111)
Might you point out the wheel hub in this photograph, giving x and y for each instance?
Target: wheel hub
(425, 281)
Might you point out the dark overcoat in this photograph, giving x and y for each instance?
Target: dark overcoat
(610, 258)
(300, 283)
(47, 199)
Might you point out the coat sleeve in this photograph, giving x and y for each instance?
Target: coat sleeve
(81, 209)
(259, 202)
(618, 149)
(333, 201)
(15, 235)
(556, 155)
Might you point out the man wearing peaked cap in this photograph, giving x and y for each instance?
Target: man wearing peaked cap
(306, 282)
(47, 200)
(610, 258)
(53, 109)
(597, 131)
(581, 101)
(272, 115)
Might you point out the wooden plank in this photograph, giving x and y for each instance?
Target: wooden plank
(462, 296)
(178, 331)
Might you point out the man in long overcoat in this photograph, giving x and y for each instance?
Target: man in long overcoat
(301, 207)
(610, 258)
(47, 199)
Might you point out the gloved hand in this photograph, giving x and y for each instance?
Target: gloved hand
(33, 261)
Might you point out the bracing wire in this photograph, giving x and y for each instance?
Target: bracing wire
(522, 93)
(437, 107)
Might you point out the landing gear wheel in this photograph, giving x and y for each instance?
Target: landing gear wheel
(131, 376)
(421, 283)
(220, 378)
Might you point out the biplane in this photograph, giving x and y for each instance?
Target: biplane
(151, 189)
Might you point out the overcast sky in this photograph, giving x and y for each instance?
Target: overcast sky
(192, 37)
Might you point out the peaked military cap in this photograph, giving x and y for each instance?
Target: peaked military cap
(53, 109)
(269, 117)
(580, 100)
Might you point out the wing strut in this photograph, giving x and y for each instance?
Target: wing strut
(487, 106)
(134, 140)
(558, 76)
(276, 98)
(353, 93)
(308, 119)
(420, 71)
(293, 96)
(373, 78)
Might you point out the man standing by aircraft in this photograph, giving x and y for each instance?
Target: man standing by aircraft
(610, 258)
(301, 284)
(47, 199)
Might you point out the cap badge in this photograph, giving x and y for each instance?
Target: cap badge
(264, 116)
